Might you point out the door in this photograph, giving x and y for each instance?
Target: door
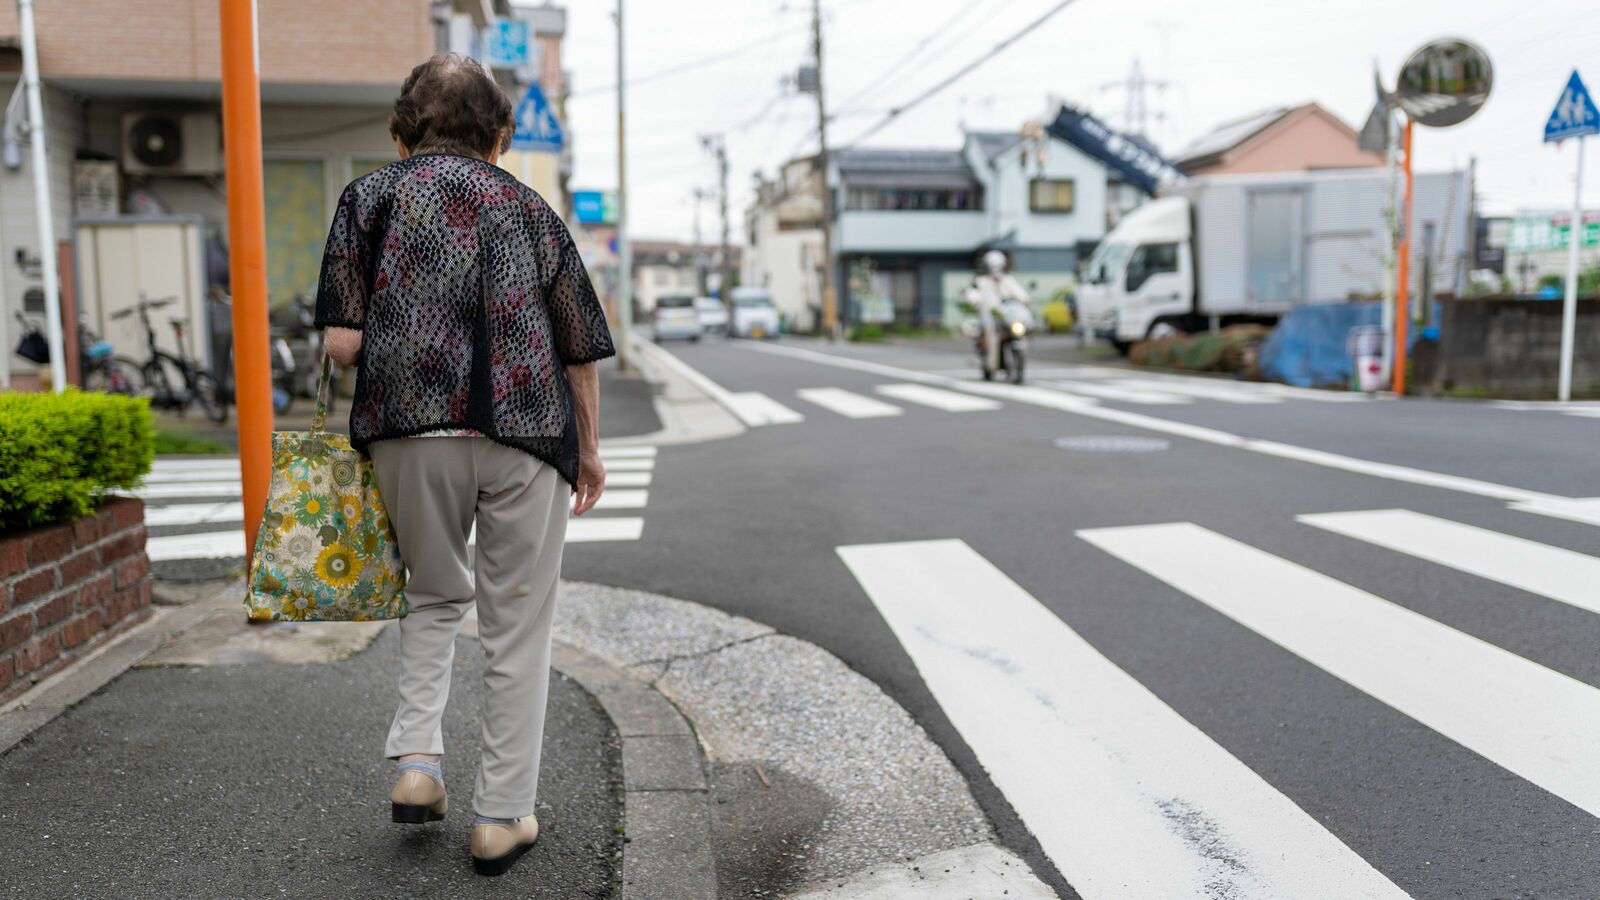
(297, 226)
(1276, 247)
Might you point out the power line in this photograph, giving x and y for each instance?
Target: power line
(691, 65)
(960, 73)
(921, 45)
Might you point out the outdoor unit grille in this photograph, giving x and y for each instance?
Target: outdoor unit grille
(162, 143)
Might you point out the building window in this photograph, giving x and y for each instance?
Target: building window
(914, 199)
(1053, 195)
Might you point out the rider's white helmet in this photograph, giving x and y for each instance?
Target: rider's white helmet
(994, 261)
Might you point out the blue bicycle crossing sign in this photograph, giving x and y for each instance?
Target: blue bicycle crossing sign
(1575, 114)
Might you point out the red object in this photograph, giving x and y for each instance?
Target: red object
(1402, 296)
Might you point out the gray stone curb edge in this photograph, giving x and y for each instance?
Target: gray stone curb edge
(666, 801)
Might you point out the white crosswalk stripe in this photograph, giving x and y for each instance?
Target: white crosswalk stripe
(756, 409)
(1101, 771)
(949, 401)
(1198, 387)
(1531, 720)
(848, 404)
(1553, 572)
(214, 530)
(1112, 391)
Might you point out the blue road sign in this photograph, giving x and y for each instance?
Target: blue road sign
(1575, 114)
(538, 130)
(505, 43)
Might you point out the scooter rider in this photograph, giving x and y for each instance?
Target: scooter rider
(989, 291)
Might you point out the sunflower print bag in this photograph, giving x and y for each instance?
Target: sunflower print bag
(325, 551)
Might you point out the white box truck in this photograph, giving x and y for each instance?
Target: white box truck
(1224, 249)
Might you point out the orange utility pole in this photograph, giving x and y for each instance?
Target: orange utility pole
(247, 254)
(1402, 294)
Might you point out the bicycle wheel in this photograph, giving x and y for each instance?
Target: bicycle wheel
(112, 376)
(155, 384)
(209, 393)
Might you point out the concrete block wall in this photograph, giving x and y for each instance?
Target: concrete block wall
(1512, 348)
(67, 589)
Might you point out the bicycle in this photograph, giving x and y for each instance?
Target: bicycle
(199, 385)
(97, 369)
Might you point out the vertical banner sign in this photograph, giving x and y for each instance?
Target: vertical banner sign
(1575, 116)
(505, 44)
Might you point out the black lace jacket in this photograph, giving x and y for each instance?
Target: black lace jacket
(472, 301)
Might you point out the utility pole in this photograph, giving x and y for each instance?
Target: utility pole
(41, 199)
(830, 312)
(700, 195)
(624, 249)
(247, 254)
(717, 146)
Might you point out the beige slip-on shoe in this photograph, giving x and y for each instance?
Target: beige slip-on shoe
(496, 848)
(417, 798)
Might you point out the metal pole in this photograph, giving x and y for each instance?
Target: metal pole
(41, 198)
(247, 254)
(830, 313)
(624, 250)
(1402, 304)
(725, 271)
(1391, 219)
(1569, 304)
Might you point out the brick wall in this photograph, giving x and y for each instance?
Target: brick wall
(66, 589)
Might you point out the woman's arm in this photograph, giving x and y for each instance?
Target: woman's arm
(585, 381)
(343, 344)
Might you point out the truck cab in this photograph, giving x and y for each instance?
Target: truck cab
(1140, 281)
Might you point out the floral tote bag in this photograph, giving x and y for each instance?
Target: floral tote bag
(325, 551)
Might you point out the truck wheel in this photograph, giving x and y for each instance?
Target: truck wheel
(1162, 328)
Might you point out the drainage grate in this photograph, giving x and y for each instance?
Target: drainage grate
(1113, 443)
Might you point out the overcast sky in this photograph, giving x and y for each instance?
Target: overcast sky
(1222, 58)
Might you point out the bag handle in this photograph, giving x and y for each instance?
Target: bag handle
(319, 416)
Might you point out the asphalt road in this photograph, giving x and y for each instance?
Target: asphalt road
(1427, 783)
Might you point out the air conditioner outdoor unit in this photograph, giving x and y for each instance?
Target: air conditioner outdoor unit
(159, 143)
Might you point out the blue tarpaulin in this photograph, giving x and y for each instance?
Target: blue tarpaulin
(1307, 349)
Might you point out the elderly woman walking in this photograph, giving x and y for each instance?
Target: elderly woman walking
(460, 296)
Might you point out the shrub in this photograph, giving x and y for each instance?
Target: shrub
(174, 443)
(870, 332)
(59, 453)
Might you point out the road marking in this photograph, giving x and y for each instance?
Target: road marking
(755, 408)
(1111, 391)
(186, 464)
(627, 480)
(205, 545)
(188, 489)
(1198, 387)
(1123, 794)
(1553, 572)
(1577, 509)
(949, 401)
(1086, 407)
(622, 499)
(194, 513)
(587, 530)
(849, 404)
(169, 475)
(1535, 722)
(626, 452)
(629, 465)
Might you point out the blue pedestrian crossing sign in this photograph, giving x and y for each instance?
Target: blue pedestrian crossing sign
(1575, 114)
(538, 129)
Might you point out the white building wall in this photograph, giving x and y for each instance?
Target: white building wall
(1006, 201)
(785, 263)
(901, 231)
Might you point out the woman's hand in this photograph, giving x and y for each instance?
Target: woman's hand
(343, 344)
(591, 481)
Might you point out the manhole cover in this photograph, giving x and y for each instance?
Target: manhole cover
(1112, 443)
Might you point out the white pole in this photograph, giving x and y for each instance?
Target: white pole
(1569, 306)
(624, 250)
(41, 197)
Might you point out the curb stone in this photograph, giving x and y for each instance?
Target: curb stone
(666, 805)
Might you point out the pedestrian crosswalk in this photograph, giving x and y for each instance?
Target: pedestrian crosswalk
(194, 510)
(1110, 779)
(1579, 409)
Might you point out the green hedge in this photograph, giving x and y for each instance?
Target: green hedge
(60, 452)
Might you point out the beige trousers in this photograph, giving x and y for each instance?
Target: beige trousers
(435, 488)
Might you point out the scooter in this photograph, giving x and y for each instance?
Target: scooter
(1013, 323)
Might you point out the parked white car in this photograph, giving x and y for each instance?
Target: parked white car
(675, 317)
(754, 316)
(713, 315)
